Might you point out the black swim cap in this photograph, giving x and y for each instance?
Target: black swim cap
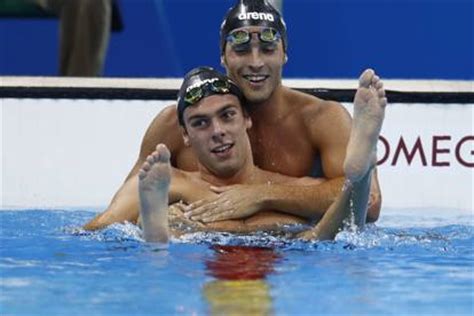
(252, 13)
(202, 82)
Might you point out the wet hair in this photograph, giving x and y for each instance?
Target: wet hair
(200, 77)
(252, 13)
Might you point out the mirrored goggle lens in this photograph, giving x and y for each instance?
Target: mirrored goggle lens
(194, 95)
(220, 86)
(238, 37)
(197, 93)
(267, 35)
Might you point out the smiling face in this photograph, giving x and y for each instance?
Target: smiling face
(216, 129)
(256, 66)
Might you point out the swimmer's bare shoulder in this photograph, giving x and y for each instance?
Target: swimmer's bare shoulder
(312, 107)
(163, 129)
(328, 125)
(313, 110)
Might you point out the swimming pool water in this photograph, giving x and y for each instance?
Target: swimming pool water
(418, 263)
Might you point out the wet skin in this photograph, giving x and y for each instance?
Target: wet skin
(289, 130)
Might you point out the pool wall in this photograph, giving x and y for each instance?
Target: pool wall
(75, 152)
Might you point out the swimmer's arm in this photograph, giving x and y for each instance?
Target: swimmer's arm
(310, 198)
(304, 197)
(332, 221)
(330, 134)
(307, 197)
(229, 226)
(125, 203)
(124, 207)
(262, 221)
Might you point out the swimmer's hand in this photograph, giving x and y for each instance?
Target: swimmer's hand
(177, 218)
(233, 202)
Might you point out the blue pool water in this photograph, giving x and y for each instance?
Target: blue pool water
(418, 263)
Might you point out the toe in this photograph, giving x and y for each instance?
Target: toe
(381, 93)
(163, 152)
(375, 80)
(150, 159)
(378, 85)
(146, 166)
(156, 156)
(366, 78)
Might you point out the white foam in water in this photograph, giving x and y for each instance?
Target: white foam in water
(372, 236)
(16, 282)
(8, 262)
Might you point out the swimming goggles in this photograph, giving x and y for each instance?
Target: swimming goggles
(208, 87)
(266, 35)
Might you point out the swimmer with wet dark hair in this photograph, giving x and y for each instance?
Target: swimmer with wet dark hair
(214, 124)
(292, 133)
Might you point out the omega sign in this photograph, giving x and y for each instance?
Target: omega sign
(434, 151)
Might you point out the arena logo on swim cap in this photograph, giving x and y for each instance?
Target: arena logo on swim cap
(256, 16)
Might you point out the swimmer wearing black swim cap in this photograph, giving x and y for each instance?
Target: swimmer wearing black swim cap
(253, 13)
(202, 82)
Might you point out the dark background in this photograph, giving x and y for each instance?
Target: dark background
(403, 39)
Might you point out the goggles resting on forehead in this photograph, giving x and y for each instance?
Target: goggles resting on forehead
(266, 35)
(217, 86)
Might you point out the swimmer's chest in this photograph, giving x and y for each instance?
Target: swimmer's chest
(282, 150)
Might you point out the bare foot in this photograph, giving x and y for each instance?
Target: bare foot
(153, 186)
(369, 111)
